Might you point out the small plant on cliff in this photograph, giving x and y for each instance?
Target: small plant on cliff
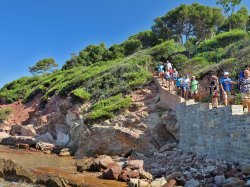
(107, 107)
(4, 113)
(81, 94)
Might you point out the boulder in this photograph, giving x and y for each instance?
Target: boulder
(138, 183)
(23, 130)
(112, 172)
(51, 181)
(72, 117)
(170, 183)
(5, 128)
(22, 146)
(145, 175)
(3, 135)
(85, 164)
(61, 128)
(102, 162)
(28, 130)
(192, 183)
(13, 140)
(127, 174)
(43, 146)
(47, 137)
(65, 152)
(62, 139)
(135, 164)
(233, 181)
(159, 182)
(219, 180)
(13, 172)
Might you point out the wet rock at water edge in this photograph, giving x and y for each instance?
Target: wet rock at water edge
(43, 146)
(112, 172)
(13, 140)
(127, 174)
(65, 152)
(22, 146)
(102, 162)
(85, 164)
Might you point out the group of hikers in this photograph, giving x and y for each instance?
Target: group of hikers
(187, 86)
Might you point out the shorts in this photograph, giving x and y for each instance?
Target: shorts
(167, 78)
(194, 92)
(184, 88)
(227, 95)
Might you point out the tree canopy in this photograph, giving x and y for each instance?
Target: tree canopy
(229, 8)
(188, 21)
(43, 66)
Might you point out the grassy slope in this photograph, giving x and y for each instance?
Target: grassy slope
(105, 84)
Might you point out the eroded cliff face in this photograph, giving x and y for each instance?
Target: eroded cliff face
(145, 127)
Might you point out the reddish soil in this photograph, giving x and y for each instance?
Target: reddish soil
(21, 113)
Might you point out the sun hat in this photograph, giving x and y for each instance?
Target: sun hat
(226, 73)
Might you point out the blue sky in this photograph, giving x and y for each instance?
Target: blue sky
(31, 30)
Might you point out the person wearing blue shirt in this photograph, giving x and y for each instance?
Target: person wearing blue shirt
(226, 87)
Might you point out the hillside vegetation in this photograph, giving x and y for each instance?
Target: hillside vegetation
(105, 76)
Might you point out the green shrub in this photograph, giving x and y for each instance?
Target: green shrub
(179, 61)
(107, 107)
(222, 40)
(213, 56)
(165, 49)
(81, 94)
(4, 113)
(131, 46)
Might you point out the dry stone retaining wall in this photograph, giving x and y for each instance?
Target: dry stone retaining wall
(222, 133)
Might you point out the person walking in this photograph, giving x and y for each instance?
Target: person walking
(161, 71)
(194, 86)
(184, 87)
(214, 91)
(244, 83)
(226, 87)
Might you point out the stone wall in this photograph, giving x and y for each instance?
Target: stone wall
(168, 98)
(222, 133)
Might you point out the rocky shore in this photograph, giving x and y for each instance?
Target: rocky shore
(142, 144)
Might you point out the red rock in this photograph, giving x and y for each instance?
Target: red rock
(135, 164)
(126, 175)
(170, 183)
(112, 172)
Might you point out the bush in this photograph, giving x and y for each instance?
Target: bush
(4, 113)
(106, 108)
(179, 61)
(81, 94)
(222, 40)
(131, 46)
(213, 56)
(164, 50)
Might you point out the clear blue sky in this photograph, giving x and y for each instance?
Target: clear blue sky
(34, 29)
